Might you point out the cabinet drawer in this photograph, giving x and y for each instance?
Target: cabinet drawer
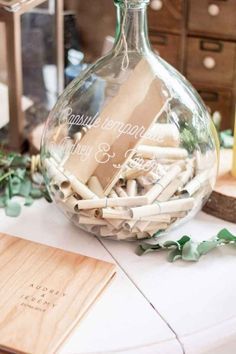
(213, 17)
(221, 101)
(210, 61)
(166, 15)
(168, 46)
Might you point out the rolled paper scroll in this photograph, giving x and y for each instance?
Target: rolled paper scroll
(143, 235)
(65, 191)
(121, 192)
(133, 173)
(170, 190)
(130, 224)
(188, 173)
(90, 213)
(131, 188)
(180, 214)
(162, 152)
(141, 95)
(55, 174)
(124, 235)
(144, 181)
(142, 225)
(162, 134)
(142, 222)
(157, 189)
(111, 202)
(91, 221)
(71, 203)
(95, 186)
(196, 183)
(106, 231)
(177, 205)
(146, 225)
(153, 177)
(153, 226)
(109, 213)
(113, 194)
(116, 223)
(81, 189)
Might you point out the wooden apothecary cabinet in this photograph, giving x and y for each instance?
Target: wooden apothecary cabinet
(199, 39)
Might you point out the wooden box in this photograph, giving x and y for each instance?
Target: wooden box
(167, 17)
(218, 99)
(168, 46)
(212, 18)
(210, 61)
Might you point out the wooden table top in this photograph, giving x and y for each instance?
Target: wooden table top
(152, 306)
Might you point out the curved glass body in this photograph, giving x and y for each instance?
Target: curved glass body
(129, 150)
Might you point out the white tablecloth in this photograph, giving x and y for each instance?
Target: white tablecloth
(152, 306)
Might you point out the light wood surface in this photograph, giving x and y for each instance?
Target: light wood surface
(222, 202)
(226, 183)
(44, 293)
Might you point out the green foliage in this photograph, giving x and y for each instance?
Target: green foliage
(188, 249)
(17, 180)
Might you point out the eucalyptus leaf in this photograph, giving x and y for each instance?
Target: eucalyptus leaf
(187, 249)
(207, 246)
(26, 188)
(16, 180)
(15, 185)
(225, 235)
(174, 255)
(12, 208)
(183, 240)
(190, 251)
(28, 201)
(20, 173)
(19, 160)
(9, 186)
(169, 244)
(157, 234)
(2, 201)
(36, 193)
(145, 248)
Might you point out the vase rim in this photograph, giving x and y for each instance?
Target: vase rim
(131, 3)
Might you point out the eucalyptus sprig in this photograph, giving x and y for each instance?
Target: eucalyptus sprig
(187, 249)
(20, 176)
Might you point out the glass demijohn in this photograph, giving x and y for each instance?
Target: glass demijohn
(129, 150)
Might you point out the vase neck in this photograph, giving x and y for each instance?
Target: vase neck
(132, 32)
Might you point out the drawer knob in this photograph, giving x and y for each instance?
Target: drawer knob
(156, 5)
(213, 10)
(209, 62)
